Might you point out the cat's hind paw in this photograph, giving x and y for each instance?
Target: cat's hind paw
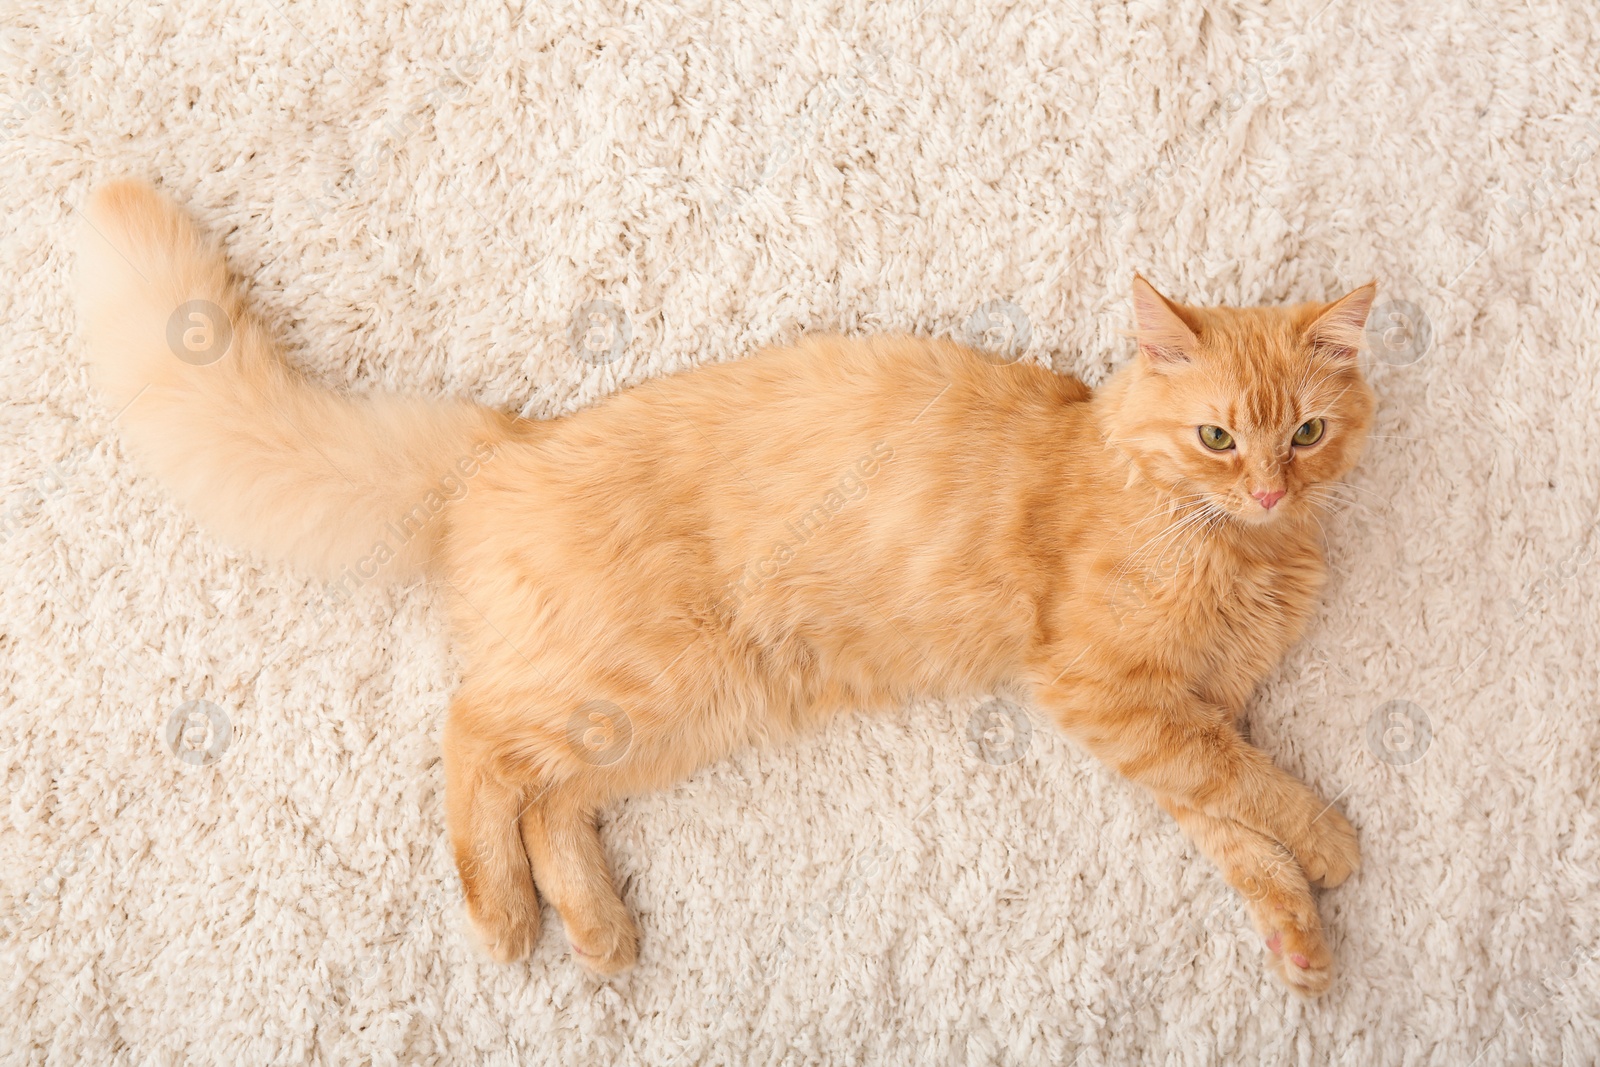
(504, 936)
(607, 947)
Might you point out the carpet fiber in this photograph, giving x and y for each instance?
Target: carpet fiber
(223, 837)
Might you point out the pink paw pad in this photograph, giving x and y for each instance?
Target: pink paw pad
(1299, 960)
(1275, 942)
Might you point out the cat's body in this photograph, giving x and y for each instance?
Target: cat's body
(727, 556)
(957, 527)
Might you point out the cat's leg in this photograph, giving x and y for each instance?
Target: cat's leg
(1190, 752)
(483, 800)
(1275, 892)
(558, 828)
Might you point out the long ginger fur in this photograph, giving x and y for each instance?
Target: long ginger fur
(728, 556)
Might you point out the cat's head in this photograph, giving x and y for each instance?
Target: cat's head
(1250, 410)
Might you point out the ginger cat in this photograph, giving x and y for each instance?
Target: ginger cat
(727, 556)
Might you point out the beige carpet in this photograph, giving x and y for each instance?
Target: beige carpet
(222, 839)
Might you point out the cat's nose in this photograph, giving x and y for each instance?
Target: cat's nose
(1268, 497)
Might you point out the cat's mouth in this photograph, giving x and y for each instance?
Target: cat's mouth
(1256, 515)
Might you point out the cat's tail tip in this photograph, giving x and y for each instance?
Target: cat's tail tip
(203, 400)
(139, 255)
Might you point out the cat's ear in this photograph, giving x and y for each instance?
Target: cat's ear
(1337, 329)
(1164, 337)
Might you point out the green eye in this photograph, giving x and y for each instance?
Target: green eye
(1309, 433)
(1217, 439)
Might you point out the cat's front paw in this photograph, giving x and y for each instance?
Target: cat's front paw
(1328, 851)
(1286, 917)
(1299, 956)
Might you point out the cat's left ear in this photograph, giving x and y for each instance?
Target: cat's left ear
(1337, 329)
(1164, 337)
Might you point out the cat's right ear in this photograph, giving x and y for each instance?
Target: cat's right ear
(1338, 327)
(1164, 337)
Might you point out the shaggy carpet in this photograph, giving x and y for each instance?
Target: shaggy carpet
(223, 838)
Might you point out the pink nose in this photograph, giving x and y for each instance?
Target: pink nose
(1268, 497)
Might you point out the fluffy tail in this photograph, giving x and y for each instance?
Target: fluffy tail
(263, 457)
